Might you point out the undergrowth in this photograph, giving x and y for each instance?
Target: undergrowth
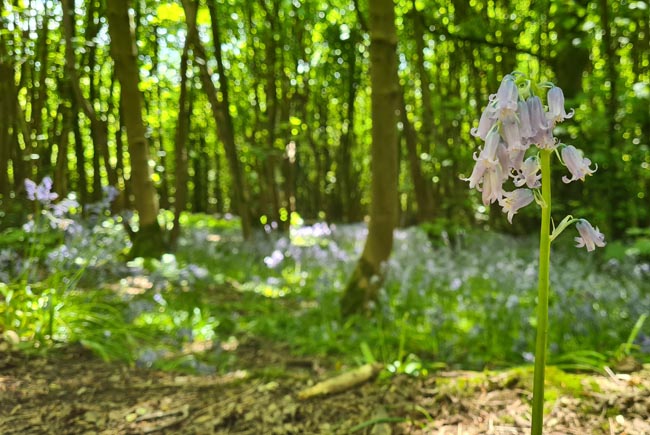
(447, 302)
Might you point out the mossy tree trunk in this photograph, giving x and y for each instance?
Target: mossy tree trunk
(148, 241)
(362, 289)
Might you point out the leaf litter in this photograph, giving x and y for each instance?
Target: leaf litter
(75, 393)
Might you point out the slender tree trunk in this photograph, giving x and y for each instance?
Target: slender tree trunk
(61, 169)
(364, 284)
(119, 153)
(41, 94)
(182, 132)
(345, 179)
(223, 121)
(218, 189)
(611, 107)
(162, 154)
(420, 185)
(148, 240)
(425, 82)
(98, 125)
(80, 156)
(7, 110)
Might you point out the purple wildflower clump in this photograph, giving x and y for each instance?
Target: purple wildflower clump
(41, 192)
(515, 126)
(53, 212)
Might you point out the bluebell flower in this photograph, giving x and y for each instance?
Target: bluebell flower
(536, 117)
(556, 112)
(590, 237)
(513, 201)
(42, 192)
(506, 99)
(529, 174)
(485, 124)
(525, 128)
(578, 165)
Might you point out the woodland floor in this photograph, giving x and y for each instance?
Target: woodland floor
(75, 393)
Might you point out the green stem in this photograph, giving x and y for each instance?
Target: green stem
(542, 302)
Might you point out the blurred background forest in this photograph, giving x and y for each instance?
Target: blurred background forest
(271, 105)
(251, 119)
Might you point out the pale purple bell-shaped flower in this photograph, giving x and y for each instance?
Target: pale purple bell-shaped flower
(556, 112)
(506, 98)
(529, 174)
(485, 124)
(510, 131)
(513, 201)
(492, 188)
(545, 139)
(516, 158)
(492, 141)
(477, 173)
(486, 159)
(503, 157)
(525, 129)
(576, 164)
(590, 237)
(537, 116)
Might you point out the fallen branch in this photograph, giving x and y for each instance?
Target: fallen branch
(343, 381)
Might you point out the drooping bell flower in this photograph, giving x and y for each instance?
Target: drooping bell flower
(516, 159)
(525, 129)
(506, 99)
(545, 139)
(511, 134)
(576, 164)
(536, 115)
(556, 112)
(492, 188)
(485, 124)
(492, 141)
(529, 174)
(513, 201)
(590, 237)
(503, 157)
(486, 159)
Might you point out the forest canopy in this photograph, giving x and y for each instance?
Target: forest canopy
(261, 108)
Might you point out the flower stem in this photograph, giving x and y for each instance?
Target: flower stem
(542, 299)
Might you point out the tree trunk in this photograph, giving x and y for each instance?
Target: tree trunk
(182, 132)
(367, 278)
(218, 189)
(7, 109)
(162, 154)
(611, 107)
(61, 169)
(223, 121)
(148, 240)
(98, 125)
(420, 184)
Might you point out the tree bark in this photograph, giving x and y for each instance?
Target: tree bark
(611, 107)
(420, 184)
(363, 287)
(7, 110)
(223, 121)
(147, 241)
(98, 125)
(182, 132)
